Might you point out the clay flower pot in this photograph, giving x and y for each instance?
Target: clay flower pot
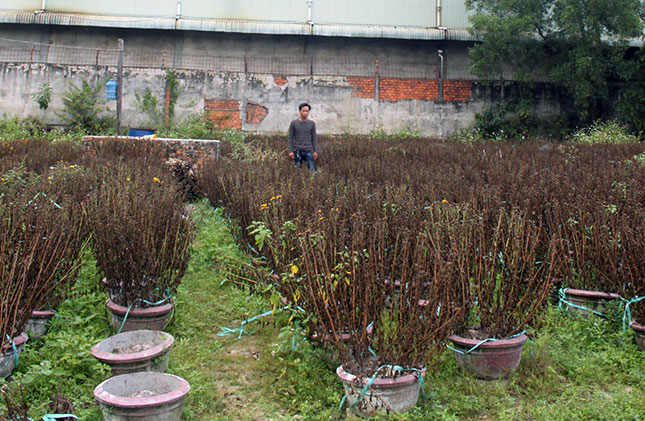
(37, 325)
(134, 351)
(384, 396)
(8, 357)
(153, 318)
(142, 396)
(492, 359)
(581, 302)
(639, 332)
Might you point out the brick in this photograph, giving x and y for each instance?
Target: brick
(457, 90)
(365, 86)
(255, 113)
(225, 119)
(280, 80)
(221, 104)
(395, 89)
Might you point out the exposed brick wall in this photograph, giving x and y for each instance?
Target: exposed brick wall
(364, 86)
(224, 113)
(195, 151)
(280, 80)
(457, 90)
(255, 113)
(394, 89)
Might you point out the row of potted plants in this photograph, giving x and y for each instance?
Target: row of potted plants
(131, 214)
(386, 271)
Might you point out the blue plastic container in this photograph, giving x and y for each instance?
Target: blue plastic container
(110, 90)
(140, 132)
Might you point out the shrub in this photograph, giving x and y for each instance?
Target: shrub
(141, 235)
(609, 132)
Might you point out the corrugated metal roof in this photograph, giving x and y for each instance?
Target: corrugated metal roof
(239, 26)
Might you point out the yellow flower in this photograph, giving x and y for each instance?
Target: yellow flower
(321, 218)
(272, 199)
(2, 179)
(71, 166)
(49, 178)
(263, 206)
(444, 201)
(127, 179)
(156, 180)
(294, 269)
(319, 211)
(278, 196)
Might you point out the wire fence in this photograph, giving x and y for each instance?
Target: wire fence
(16, 51)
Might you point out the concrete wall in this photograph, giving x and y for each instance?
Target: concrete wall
(255, 82)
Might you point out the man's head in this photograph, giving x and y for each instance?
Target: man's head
(304, 109)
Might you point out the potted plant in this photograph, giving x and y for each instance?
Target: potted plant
(509, 280)
(592, 275)
(141, 236)
(384, 346)
(39, 252)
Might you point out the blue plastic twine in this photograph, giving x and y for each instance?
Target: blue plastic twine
(145, 301)
(371, 380)
(627, 315)
(561, 294)
(484, 341)
(228, 331)
(15, 351)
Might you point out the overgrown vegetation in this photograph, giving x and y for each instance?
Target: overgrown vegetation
(582, 46)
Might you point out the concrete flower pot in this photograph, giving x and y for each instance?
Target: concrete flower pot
(144, 396)
(580, 302)
(639, 332)
(37, 325)
(134, 351)
(493, 359)
(8, 356)
(384, 396)
(153, 318)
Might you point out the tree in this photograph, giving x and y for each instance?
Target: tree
(580, 45)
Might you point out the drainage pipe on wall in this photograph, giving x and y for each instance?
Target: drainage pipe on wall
(42, 8)
(178, 16)
(439, 13)
(440, 52)
(309, 7)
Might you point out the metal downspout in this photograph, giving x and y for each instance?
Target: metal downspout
(42, 8)
(178, 15)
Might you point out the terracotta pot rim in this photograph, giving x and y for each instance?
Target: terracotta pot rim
(17, 341)
(498, 343)
(113, 358)
(141, 402)
(591, 294)
(148, 311)
(637, 326)
(379, 383)
(42, 314)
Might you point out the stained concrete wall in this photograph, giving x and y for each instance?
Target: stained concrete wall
(255, 82)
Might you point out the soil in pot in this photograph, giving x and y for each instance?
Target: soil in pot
(383, 396)
(144, 396)
(138, 350)
(9, 356)
(152, 318)
(579, 302)
(488, 358)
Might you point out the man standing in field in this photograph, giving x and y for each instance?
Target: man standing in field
(302, 139)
